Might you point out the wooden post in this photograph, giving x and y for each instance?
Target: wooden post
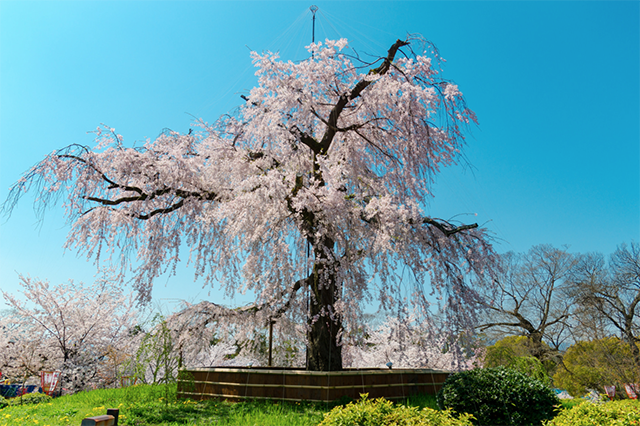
(110, 419)
(115, 412)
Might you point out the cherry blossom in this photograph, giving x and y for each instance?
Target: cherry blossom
(312, 195)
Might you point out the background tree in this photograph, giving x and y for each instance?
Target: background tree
(515, 352)
(596, 363)
(69, 327)
(21, 358)
(531, 297)
(410, 344)
(311, 194)
(610, 292)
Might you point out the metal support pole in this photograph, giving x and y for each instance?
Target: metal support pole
(270, 342)
(313, 10)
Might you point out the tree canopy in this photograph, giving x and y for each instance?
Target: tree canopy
(312, 195)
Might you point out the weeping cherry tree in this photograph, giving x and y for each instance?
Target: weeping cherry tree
(311, 195)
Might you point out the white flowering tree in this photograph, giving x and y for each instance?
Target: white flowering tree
(312, 195)
(409, 344)
(77, 329)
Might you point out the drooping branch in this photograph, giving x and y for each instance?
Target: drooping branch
(447, 228)
(255, 308)
(334, 115)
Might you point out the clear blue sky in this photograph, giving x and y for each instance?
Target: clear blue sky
(555, 85)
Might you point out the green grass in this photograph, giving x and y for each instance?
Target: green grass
(144, 405)
(157, 405)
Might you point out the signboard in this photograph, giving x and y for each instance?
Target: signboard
(631, 389)
(611, 391)
(49, 381)
(126, 381)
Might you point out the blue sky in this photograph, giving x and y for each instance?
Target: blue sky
(555, 85)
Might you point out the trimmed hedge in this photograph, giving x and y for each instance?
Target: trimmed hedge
(381, 412)
(498, 396)
(615, 413)
(30, 398)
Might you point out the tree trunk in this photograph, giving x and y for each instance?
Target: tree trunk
(324, 351)
(631, 339)
(536, 348)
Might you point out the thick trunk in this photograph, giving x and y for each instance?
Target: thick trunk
(536, 348)
(324, 351)
(634, 350)
(631, 340)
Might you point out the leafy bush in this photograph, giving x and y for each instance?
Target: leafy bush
(593, 364)
(381, 412)
(30, 398)
(498, 396)
(618, 413)
(515, 352)
(3, 402)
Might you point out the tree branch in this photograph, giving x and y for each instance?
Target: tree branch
(332, 122)
(448, 229)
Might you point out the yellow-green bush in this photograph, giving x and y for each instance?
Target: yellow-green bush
(593, 364)
(514, 352)
(381, 412)
(616, 413)
(29, 398)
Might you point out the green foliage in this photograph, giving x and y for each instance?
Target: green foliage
(568, 404)
(498, 396)
(381, 412)
(514, 346)
(3, 402)
(514, 352)
(156, 359)
(145, 405)
(30, 398)
(616, 413)
(423, 400)
(593, 364)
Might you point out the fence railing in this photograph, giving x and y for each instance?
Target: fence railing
(301, 385)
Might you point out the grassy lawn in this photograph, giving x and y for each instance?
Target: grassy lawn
(157, 405)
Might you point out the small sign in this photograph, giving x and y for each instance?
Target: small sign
(630, 388)
(49, 381)
(126, 381)
(611, 391)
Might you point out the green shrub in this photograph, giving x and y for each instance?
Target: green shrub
(593, 364)
(30, 398)
(515, 352)
(618, 413)
(381, 412)
(3, 402)
(498, 396)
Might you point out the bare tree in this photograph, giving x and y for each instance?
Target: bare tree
(610, 293)
(530, 297)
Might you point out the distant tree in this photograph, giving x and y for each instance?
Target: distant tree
(21, 358)
(68, 327)
(594, 364)
(514, 352)
(208, 334)
(609, 294)
(312, 195)
(409, 344)
(530, 297)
